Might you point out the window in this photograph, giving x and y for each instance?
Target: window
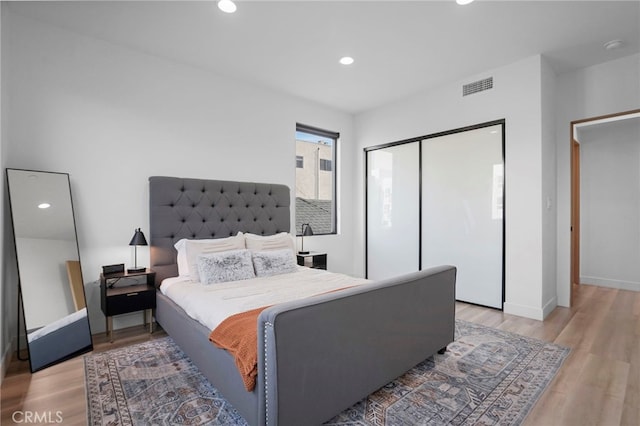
(325, 165)
(316, 179)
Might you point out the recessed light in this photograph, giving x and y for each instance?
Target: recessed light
(463, 2)
(227, 6)
(346, 60)
(44, 205)
(613, 44)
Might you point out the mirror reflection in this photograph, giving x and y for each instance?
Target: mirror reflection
(53, 299)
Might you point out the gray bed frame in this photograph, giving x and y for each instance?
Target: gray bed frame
(317, 356)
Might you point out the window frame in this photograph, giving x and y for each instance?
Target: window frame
(335, 136)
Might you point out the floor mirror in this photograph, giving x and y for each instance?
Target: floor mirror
(50, 276)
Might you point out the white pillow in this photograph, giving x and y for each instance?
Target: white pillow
(225, 266)
(283, 240)
(273, 262)
(195, 248)
(181, 248)
(183, 264)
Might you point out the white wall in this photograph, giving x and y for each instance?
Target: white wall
(610, 205)
(549, 193)
(602, 89)
(111, 117)
(516, 97)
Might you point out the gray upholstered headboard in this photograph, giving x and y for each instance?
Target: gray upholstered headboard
(196, 208)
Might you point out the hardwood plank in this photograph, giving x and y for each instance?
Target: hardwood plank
(553, 401)
(631, 407)
(602, 384)
(566, 380)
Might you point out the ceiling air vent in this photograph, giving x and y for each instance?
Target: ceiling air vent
(477, 86)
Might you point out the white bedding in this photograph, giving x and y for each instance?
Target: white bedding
(211, 304)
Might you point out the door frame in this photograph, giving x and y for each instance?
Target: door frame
(574, 159)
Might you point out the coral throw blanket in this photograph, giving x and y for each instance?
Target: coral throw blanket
(238, 334)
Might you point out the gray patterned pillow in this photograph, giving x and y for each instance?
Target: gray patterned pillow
(232, 265)
(273, 262)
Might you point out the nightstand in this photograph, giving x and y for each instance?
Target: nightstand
(125, 292)
(313, 260)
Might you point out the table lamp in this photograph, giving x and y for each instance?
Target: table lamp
(137, 240)
(306, 232)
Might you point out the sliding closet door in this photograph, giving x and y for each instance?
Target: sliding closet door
(393, 193)
(462, 210)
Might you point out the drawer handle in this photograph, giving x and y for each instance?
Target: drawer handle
(132, 294)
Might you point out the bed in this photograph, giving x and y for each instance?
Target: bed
(316, 356)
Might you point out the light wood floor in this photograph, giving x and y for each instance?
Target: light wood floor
(597, 385)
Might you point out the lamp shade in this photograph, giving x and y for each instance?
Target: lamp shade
(138, 239)
(306, 230)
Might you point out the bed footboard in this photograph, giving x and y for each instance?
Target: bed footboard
(319, 356)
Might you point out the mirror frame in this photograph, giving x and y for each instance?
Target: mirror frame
(54, 341)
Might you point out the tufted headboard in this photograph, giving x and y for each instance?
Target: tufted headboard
(196, 209)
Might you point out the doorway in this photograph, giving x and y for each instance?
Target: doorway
(578, 128)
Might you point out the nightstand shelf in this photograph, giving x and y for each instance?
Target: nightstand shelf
(118, 299)
(313, 259)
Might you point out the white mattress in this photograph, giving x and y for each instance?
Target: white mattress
(211, 304)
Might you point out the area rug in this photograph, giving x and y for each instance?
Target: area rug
(487, 376)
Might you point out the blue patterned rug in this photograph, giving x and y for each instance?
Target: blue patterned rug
(486, 377)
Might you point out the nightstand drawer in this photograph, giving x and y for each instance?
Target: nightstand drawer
(130, 301)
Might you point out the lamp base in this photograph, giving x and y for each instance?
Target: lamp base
(136, 269)
(304, 252)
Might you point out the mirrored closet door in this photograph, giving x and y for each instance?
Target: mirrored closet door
(393, 177)
(439, 199)
(50, 275)
(462, 210)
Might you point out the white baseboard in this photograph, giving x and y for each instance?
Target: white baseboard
(549, 306)
(523, 311)
(609, 283)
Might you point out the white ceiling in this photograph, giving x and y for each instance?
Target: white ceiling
(400, 47)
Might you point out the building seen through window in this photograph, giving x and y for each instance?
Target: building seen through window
(315, 179)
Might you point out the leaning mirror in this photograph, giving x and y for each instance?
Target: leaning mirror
(50, 277)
